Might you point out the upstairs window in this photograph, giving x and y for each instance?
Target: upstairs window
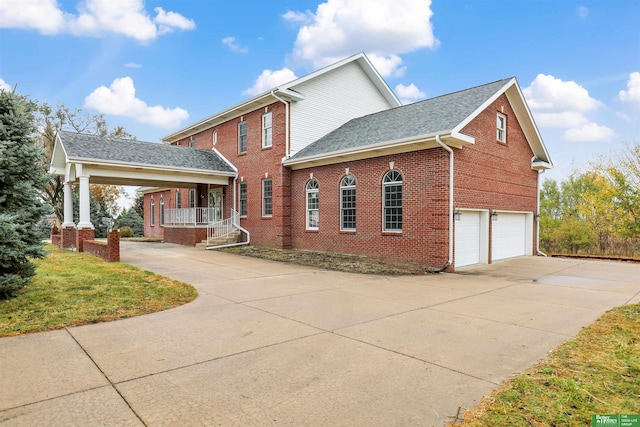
(501, 127)
(267, 197)
(267, 134)
(242, 137)
(392, 201)
(348, 203)
(214, 137)
(313, 205)
(243, 199)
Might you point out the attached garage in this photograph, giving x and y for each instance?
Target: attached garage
(511, 235)
(471, 238)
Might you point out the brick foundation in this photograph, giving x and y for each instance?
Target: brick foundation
(187, 236)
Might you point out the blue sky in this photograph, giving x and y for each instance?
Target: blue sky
(156, 66)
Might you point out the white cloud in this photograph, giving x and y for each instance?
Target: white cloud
(133, 65)
(409, 94)
(549, 93)
(632, 94)
(41, 15)
(381, 28)
(4, 85)
(583, 12)
(230, 42)
(94, 18)
(119, 99)
(270, 79)
(388, 65)
(564, 104)
(591, 132)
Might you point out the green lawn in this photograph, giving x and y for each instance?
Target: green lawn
(598, 372)
(72, 289)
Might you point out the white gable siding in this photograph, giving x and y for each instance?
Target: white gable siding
(331, 100)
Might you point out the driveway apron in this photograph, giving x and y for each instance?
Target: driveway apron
(269, 343)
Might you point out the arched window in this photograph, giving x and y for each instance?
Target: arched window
(214, 137)
(161, 210)
(348, 203)
(313, 205)
(392, 201)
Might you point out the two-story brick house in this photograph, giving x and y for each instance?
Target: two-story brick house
(333, 162)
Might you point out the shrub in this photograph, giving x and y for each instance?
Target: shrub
(126, 231)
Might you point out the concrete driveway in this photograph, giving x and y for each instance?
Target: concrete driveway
(268, 343)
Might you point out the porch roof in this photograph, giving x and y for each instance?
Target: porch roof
(129, 162)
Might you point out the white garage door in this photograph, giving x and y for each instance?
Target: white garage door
(467, 239)
(509, 236)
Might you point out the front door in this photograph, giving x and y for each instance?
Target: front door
(215, 205)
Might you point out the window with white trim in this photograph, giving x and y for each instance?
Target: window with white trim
(267, 197)
(178, 199)
(501, 127)
(243, 199)
(313, 205)
(348, 203)
(267, 130)
(161, 211)
(214, 137)
(392, 201)
(192, 198)
(153, 212)
(242, 137)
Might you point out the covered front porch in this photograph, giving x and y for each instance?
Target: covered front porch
(87, 159)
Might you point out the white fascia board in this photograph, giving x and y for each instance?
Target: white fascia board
(527, 122)
(231, 165)
(400, 145)
(128, 165)
(541, 165)
(222, 116)
(484, 105)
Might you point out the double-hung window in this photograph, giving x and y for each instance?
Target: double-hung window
(161, 211)
(242, 137)
(192, 198)
(267, 197)
(178, 199)
(313, 205)
(392, 201)
(267, 131)
(348, 203)
(243, 199)
(501, 127)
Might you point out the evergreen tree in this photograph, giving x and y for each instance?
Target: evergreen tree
(21, 207)
(130, 218)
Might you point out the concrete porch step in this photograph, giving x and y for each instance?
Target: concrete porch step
(233, 237)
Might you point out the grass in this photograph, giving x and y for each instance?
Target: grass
(72, 289)
(329, 260)
(598, 372)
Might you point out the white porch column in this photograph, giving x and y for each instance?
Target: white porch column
(85, 211)
(68, 206)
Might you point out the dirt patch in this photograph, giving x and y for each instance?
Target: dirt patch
(329, 261)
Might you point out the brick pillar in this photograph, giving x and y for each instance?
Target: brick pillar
(113, 246)
(83, 234)
(68, 237)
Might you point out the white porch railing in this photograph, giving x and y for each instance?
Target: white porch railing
(225, 227)
(187, 216)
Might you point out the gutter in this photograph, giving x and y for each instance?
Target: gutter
(538, 251)
(450, 260)
(286, 130)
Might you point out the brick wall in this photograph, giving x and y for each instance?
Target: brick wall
(424, 235)
(253, 166)
(109, 250)
(494, 175)
(187, 236)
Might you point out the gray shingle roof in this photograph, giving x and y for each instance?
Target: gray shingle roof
(428, 117)
(91, 147)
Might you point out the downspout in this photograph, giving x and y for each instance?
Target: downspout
(538, 251)
(450, 260)
(234, 192)
(286, 130)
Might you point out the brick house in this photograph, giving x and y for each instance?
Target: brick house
(333, 162)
